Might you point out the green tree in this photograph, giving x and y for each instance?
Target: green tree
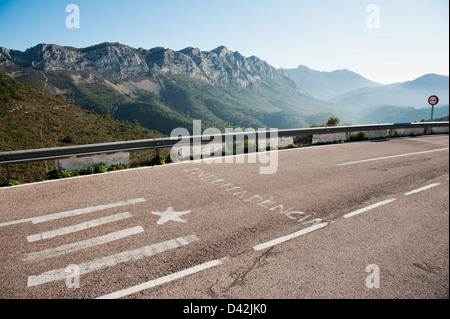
(333, 121)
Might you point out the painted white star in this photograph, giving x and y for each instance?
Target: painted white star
(169, 215)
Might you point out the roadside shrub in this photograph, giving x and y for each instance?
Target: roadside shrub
(303, 139)
(51, 175)
(333, 121)
(55, 174)
(75, 173)
(64, 174)
(88, 171)
(10, 182)
(158, 160)
(117, 167)
(360, 136)
(100, 169)
(168, 159)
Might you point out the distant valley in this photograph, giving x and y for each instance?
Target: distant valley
(374, 102)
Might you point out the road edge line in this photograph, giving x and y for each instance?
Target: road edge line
(163, 280)
(285, 238)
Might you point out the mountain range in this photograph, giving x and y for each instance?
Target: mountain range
(326, 85)
(375, 102)
(163, 89)
(411, 93)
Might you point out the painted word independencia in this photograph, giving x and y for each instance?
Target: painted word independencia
(253, 199)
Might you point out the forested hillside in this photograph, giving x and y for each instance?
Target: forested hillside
(32, 119)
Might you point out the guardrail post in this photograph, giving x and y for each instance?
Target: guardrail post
(8, 175)
(158, 151)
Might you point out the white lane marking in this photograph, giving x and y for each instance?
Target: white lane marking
(78, 227)
(422, 189)
(14, 222)
(392, 156)
(289, 237)
(61, 250)
(110, 261)
(76, 212)
(163, 280)
(365, 209)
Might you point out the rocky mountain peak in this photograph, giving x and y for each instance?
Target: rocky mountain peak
(221, 50)
(190, 51)
(120, 61)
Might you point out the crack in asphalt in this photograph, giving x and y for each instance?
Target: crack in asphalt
(428, 267)
(239, 275)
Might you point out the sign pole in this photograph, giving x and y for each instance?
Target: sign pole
(433, 100)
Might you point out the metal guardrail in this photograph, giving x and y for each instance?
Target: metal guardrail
(14, 157)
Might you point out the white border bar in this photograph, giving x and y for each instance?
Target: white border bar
(110, 261)
(163, 280)
(365, 209)
(78, 227)
(392, 156)
(61, 250)
(422, 189)
(289, 237)
(76, 212)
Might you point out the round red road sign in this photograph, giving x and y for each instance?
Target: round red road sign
(433, 100)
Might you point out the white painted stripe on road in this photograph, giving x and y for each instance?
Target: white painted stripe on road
(289, 237)
(160, 281)
(14, 222)
(392, 156)
(61, 250)
(86, 210)
(78, 227)
(422, 189)
(76, 212)
(365, 209)
(110, 261)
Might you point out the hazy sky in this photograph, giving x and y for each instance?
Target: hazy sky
(386, 41)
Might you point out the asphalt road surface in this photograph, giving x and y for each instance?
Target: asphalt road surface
(356, 220)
